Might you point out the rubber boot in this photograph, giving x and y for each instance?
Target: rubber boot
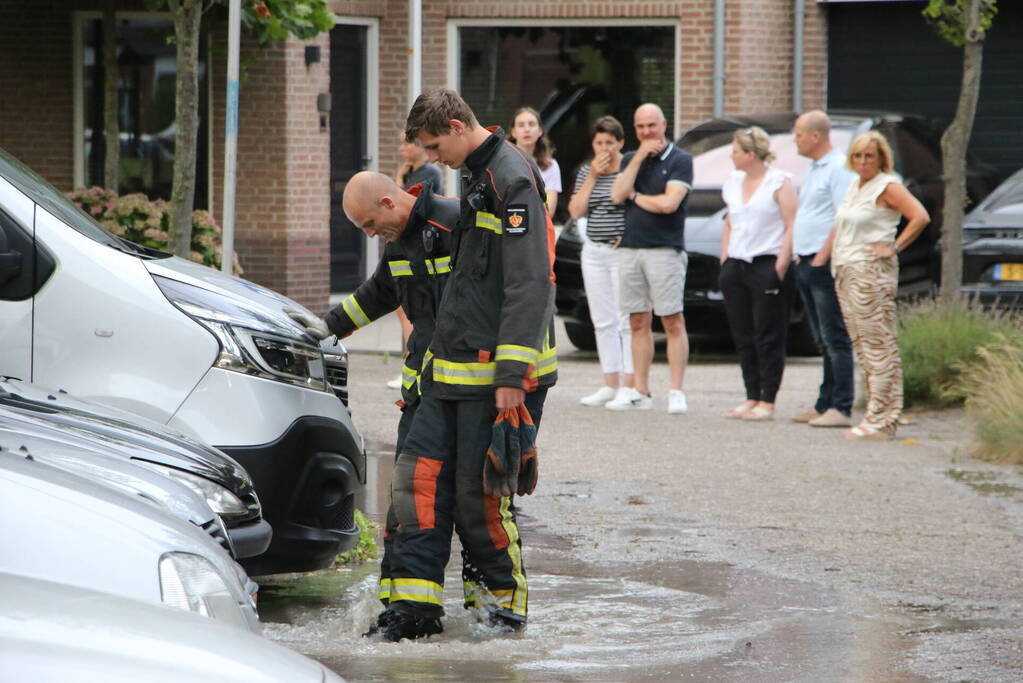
(394, 626)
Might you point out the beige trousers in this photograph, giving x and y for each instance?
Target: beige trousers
(866, 293)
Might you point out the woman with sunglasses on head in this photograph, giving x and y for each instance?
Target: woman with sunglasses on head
(863, 248)
(756, 252)
(527, 133)
(604, 222)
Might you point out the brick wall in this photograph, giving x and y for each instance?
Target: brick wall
(282, 202)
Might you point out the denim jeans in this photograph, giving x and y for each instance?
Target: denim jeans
(817, 287)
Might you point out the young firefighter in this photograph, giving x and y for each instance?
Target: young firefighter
(492, 357)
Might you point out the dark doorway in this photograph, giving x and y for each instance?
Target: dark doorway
(348, 151)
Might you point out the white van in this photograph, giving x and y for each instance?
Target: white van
(210, 355)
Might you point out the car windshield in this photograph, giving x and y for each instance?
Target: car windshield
(1008, 198)
(712, 167)
(53, 200)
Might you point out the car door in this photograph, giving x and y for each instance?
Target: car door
(23, 271)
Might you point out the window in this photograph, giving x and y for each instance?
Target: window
(572, 75)
(147, 70)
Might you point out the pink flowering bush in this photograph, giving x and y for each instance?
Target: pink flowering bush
(146, 221)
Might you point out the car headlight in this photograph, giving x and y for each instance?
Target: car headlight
(221, 500)
(251, 342)
(191, 583)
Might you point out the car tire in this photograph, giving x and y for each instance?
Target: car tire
(581, 336)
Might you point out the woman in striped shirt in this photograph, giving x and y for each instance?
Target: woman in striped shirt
(604, 223)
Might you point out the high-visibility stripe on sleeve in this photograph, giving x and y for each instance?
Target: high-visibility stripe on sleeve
(474, 374)
(355, 312)
(438, 266)
(400, 268)
(547, 363)
(417, 590)
(488, 221)
(408, 376)
(523, 354)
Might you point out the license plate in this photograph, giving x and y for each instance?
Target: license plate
(1009, 271)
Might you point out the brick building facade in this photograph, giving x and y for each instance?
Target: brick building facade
(284, 157)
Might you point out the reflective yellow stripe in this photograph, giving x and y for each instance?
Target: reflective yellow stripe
(470, 589)
(408, 376)
(475, 374)
(427, 357)
(518, 598)
(488, 221)
(400, 268)
(355, 312)
(417, 590)
(384, 593)
(523, 354)
(438, 266)
(547, 364)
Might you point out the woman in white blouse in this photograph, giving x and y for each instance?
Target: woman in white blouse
(863, 248)
(527, 133)
(756, 251)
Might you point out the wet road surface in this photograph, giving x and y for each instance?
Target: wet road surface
(602, 621)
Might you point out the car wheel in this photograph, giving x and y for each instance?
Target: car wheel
(581, 336)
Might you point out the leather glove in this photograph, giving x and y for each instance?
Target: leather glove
(315, 327)
(511, 449)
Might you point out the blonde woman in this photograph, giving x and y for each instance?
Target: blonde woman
(527, 133)
(863, 248)
(756, 252)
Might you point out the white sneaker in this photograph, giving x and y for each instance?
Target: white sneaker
(677, 402)
(628, 398)
(599, 397)
(395, 383)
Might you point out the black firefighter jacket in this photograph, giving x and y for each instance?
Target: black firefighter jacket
(495, 326)
(411, 274)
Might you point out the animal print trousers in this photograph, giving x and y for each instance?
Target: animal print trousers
(866, 293)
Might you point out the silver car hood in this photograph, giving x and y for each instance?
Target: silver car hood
(56, 632)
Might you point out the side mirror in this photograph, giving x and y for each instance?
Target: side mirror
(10, 261)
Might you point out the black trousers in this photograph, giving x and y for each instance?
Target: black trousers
(438, 486)
(757, 304)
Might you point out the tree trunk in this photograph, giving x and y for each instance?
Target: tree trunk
(953, 151)
(111, 78)
(187, 19)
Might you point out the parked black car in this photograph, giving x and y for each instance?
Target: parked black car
(916, 144)
(224, 484)
(993, 247)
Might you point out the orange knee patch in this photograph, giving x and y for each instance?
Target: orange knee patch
(424, 488)
(492, 513)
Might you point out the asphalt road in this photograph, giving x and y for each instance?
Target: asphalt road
(925, 535)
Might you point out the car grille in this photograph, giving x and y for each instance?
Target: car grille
(344, 519)
(337, 376)
(995, 233)
(216, 530)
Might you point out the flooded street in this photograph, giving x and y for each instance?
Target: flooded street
(708, 556)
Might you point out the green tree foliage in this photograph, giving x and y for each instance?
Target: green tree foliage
(269, 20)
(951, 18)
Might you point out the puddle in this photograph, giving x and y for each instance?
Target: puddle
(613, 621)
(988, 483)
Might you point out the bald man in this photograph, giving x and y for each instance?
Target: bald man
(821, 194)
(654, 186)
(416, 225)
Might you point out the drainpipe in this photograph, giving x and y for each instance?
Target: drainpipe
(231, 133)
(719, 58)
(797, 56)
(415, 50)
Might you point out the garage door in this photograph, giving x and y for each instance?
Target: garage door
(883, 55)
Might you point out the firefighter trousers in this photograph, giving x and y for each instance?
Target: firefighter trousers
(438, 487)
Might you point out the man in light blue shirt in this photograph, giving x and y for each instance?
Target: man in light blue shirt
(821, 194)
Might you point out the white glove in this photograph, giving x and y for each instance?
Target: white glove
(314, 327)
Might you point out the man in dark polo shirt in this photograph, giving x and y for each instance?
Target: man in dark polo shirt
(654, 184)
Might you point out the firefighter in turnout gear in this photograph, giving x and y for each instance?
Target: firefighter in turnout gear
(417, 226)
(492, 353)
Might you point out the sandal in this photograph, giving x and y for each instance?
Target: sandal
(738, 411)
(759, 413)
(866, 432)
